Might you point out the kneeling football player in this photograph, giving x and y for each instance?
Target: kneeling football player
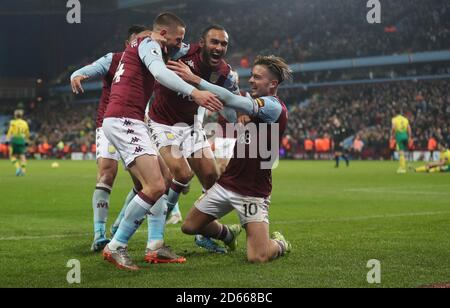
(246, 185)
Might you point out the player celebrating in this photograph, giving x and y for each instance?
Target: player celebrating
(107, 155)
(402, 132)
(178, 133)
(245, 186)
(340, 133)
(17, 139)
(141, 65)
(444, 161)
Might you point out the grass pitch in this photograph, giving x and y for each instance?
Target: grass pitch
(336, 219)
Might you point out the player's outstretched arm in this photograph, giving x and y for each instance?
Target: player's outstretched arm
(95, 70)
(239, 103)
(151, 55)
(267, 109)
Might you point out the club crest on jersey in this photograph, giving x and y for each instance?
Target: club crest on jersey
(261, 103)
(170, 136)
(214, 78)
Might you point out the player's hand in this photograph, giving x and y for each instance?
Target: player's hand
(184, 71)
(76, 84)
(207, 99)
(244, 119)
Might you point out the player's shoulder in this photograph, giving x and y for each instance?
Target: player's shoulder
(141, 41)
(272, 108)
(193, 49)
(117, 55)
(272, 100)
(184, 51)
(224, 68)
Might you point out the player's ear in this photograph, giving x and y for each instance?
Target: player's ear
(274, 84)
(163, 32)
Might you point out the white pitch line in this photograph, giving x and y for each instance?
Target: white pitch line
(305, 221)
(362, 218)
(402, 192)
(59, 236)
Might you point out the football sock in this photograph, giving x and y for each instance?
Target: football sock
(422, 169)
(134, 216)
(100, 205)
(346, 160)
(337, 161)
(130, 197)
(174, 194)
(402, 162)
(176, 209)
(156, 220)
(225, 235)
(434, 170)
(282, 248)
(15, 163)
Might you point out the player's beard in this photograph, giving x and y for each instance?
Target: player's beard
(165, 57)
(170, 54)
(207, 58)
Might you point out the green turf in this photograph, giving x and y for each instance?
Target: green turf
(337, 220)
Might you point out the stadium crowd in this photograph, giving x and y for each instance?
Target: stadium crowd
(366, 110)
(58, 129)
(299, 31)
(304, 31)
